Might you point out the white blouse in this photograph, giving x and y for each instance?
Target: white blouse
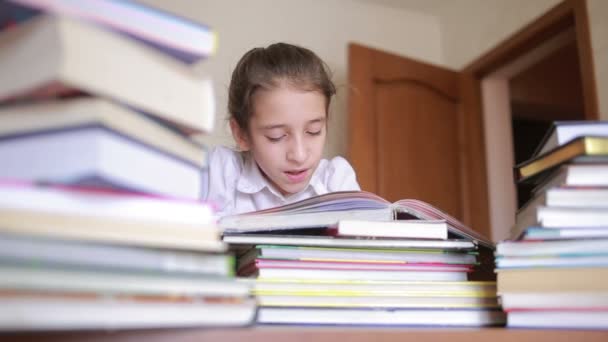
(236, 185)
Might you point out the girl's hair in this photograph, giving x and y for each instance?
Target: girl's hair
(273, 66)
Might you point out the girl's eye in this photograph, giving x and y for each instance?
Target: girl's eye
(275, 139)
(314, 132)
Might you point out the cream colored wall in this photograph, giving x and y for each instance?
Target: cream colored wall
(471, 27)
(326, 27)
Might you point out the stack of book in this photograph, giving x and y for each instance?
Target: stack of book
(553, 272)
(101, 223)
(343, 259)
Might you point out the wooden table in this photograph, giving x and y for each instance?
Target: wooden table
(292, 334)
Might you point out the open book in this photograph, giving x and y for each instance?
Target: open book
(328, 209)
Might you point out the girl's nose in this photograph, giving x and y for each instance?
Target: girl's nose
(297, 151)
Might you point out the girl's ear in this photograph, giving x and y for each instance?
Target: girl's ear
(241, 137)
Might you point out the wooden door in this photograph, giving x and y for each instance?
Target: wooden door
(408, 137)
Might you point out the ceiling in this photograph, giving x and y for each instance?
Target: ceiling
(433, 7)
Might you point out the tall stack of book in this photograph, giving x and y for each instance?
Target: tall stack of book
(553, 272)
(101, 223)
(343, 259)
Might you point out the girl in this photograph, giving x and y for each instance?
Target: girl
(278, 102)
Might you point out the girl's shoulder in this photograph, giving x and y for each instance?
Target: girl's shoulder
(225, 156)
(338, 174)
(225, 163)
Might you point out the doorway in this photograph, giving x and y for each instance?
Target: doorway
(543, 73)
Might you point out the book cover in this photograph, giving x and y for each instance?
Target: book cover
(586, 149)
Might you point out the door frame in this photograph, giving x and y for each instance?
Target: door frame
(474, 169)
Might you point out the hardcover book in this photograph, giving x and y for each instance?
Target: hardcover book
(328, 209)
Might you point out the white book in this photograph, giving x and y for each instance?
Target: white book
(53, 115)
(79, 280)
(381, 317)
(572, 217)
(87, 202)
(575, 175)
(42, 251)
(539, 248)
(553, 261)
(238, 239)
(563, 208)
(285, 273)
(539, 233)
(97, 156)
(409, 229)
(561, 132)
(50, 55)
(558, 319)
(577, 197)
(397, 256)
(554, 300)
(18, 314)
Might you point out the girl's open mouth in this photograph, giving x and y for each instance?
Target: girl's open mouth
(296, 176)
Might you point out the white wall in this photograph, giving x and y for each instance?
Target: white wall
(326, 27)
(598, 10)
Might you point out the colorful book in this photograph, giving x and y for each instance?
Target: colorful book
(395, 302)
(371, 255)
(83, 58)
(259, 264)
(363, 287)
(587, 149)
(549, 280)
(562, 132)
(65, 212)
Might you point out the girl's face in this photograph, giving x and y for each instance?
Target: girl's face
(286, 135)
